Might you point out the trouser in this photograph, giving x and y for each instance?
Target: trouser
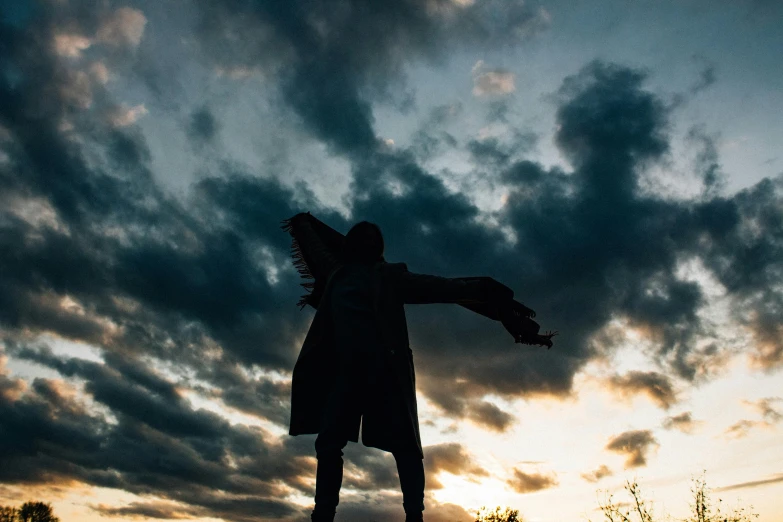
(329, 476)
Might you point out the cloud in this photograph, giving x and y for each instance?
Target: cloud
(656, 386)
(767, 331)
(462, 406)
(707, 162)
(523, 482)
(123, 116)
(265, 398)
(76, 90)
(635, 445)
(581, 254)
(125, 26)
(683, 422)
(741, 428)
(70, 45)
(203, 126)
(491, 82)
(499, 151)
(369, 470)
(148, 510)
(452, 458)
(155, 442)
(99, 72)
(198, 277)
(764, 407)
(767, 410)
(122, 27)
(597, 474)
(753, 483)
(331, 62)
(707, 79)
(490, 416)
(389, 507)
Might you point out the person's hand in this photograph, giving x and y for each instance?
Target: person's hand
(546, 339)
(519, 325)
(516, 320)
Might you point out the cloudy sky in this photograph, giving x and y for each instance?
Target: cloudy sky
(617, 163)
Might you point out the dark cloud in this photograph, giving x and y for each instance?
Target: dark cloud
(433, 136)
(683, 422)
(585, 232)
(494, 152)
(708, 167)
(154, 443)
(746, 259)
(203, 126)
(466, 405)
(597, 474)
(333, 61)
(488, 151)
(121, 266)
(523, 482)
(589, 127)
(388, 508)
(370, 470)
(635, 445)
(147, 510)
(263, 397)
(232, 239)
(656, 386)
(707, 78)
(490, 416)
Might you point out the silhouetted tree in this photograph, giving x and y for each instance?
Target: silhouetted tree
(36, 512)
(498, 515)
(705, 511)
(703, 508)
(620, 512)
(7, 514)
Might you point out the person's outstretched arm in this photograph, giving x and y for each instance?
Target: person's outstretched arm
(482, 295)
(423, 289)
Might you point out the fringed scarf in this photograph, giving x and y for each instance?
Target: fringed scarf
(315, 249)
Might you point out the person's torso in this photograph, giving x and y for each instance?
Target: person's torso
(353, 318)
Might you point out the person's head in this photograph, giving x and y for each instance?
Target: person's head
(363, 243)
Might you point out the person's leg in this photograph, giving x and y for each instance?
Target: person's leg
(410, 467)
(329, 475)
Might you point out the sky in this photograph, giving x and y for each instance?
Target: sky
(616, 163)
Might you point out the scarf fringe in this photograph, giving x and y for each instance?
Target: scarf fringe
(300, 264)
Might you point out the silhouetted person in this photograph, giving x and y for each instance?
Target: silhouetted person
(356, 366)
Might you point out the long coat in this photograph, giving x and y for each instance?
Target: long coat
(390, 419)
